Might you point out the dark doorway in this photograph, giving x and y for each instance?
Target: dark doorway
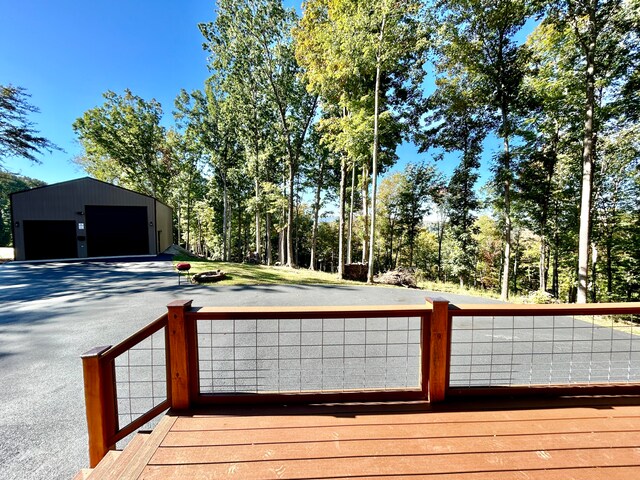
(116, 231)
(49, 239)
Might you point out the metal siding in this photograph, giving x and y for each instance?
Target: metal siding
(164, 225)
(63, 201)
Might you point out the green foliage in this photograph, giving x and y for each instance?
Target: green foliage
(124, 143)
(252, 55)
(10, 183)
(18, 137)
(252, 166)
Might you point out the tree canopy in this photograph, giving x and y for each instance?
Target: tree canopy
(290, 152)
(18, 136)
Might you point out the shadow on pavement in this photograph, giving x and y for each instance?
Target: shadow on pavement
(28, 283)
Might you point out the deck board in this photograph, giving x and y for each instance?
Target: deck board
(571, 439)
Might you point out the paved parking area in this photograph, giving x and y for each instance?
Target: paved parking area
(50, 313)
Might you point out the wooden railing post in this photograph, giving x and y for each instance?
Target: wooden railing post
(439, 349)
(99, 398)
(178, 354)
(425, 357)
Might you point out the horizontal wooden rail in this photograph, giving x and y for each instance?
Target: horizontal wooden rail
(269, 313)
(574, 390)
(507, 309)
(140, 421)
(135, 338)
(327, 396)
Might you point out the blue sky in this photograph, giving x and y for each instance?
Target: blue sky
(68, 53)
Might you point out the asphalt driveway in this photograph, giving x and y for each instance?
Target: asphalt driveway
(53, 312)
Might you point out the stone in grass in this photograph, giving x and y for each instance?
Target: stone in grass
(402, 277)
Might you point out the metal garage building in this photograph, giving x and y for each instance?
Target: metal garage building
(88, 218)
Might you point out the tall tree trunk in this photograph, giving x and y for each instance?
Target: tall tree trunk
(240, 252)
(504, 293)
(441, 225)
(290, 259)
(390, 257)
(588, 157)
(188, 223)
(267, 244)
(374, 161)
(350, 234)
(257, 220)
(282, 250)
(316, 215)
(365, 212)
(343, 174)
(609, 248)
(550, 165)
(516, 254)
(282, 234)
(179, 229)
(594, 272)
(542, 264)
(296, 220)
(225, 220)
(555, 283)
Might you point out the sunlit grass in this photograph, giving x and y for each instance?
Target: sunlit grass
(250, 274)
(449, 287)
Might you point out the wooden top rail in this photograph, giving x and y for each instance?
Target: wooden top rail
(136, 338)
(505, 309)
(228, 313)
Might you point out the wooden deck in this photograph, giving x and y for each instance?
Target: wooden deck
(586, 438)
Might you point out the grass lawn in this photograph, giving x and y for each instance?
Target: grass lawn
(251, 274)
(248, 274)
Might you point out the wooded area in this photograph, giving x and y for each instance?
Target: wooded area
(285, 154)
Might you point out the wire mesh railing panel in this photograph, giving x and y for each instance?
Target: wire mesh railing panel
(308, 355)
(489, 351)
(141, 378)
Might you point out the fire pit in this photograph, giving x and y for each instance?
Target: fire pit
(210, 276)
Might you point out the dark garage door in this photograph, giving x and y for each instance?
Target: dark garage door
(48, 239)
(115, 231)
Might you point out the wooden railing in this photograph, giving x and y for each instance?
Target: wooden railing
(101, 389)
(196, 363)
(186, 352)
(567, 349)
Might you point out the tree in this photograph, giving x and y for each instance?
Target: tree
(10, 183)
(124, 143)
(361, 57)
(256, 35)
(421, 183)
(462, 203)
(457, 121)
(478, 37)
(603, 35)
(18, 138)
(209, 122)
(597, 27)
(188, 184)
(389, 215)
(316, 175)
(549, 127)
